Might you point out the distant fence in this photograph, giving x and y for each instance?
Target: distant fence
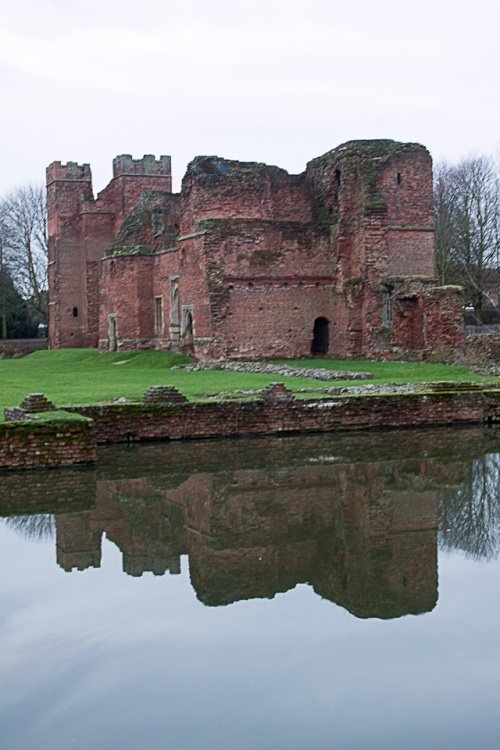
(479, 330)
(20, 347)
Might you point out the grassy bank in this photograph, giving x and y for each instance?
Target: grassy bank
(79, 376)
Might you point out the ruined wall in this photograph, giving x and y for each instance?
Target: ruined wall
(126, 296)
(482, 349)
(215, 188)
(380, 194)
(31, 444)
(278, 413)
(443, 324)
(266, 282)
(27, 445)
(249, 260)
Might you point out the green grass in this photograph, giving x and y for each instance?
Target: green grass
(83, 376)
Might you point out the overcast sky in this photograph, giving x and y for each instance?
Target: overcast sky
(278, 81)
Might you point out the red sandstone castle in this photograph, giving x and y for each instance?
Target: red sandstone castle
(249, 261)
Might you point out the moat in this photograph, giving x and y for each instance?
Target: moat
(309, 592)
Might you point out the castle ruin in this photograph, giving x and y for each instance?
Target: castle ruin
(250, 261)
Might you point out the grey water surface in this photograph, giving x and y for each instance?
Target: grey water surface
(307, 593)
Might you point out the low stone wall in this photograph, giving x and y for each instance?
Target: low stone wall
(48, 444)
(479, 350)
(21, 347)
(280, 413)
(165, 414)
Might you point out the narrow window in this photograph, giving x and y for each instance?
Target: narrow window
(398, 178)
(75, 312)
(337, 177)
(158, 316)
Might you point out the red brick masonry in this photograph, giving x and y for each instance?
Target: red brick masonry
(28, 445)
(119, 423)
(249, 261)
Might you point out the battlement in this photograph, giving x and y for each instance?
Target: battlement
(69, 172)
(148, 165)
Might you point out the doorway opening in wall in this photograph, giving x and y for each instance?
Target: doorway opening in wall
(321, 335)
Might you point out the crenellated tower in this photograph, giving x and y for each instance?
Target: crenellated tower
(69, 191)
(82, 230)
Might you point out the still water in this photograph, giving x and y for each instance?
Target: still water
(305, 593)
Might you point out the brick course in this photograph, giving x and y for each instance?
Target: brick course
(31, 445)
(284, 415)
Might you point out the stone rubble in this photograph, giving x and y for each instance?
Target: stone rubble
(314, 373)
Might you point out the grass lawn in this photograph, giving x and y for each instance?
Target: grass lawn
(80, 376)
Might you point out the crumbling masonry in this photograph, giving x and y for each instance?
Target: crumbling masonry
(249, 261)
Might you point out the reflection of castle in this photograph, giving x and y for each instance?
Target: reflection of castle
(361, 534)
(256, 517)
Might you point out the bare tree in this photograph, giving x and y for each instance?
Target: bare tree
(469, 515)
(24, 213)
(467, 215)
(5, 270)
(37, 527)
(444, 221)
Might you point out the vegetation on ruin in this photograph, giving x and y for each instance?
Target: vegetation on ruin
(83, 376)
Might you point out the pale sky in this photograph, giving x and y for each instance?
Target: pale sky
(276, 81)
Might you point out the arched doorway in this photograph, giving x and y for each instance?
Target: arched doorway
(320, 336)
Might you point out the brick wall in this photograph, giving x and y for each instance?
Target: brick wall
(216, 188)
(124, 422)
(28, 445)
(16, 347)
(483, 349)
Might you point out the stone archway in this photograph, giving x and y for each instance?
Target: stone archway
(321, 336)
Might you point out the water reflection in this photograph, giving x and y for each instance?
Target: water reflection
(469, 515)
(354, 516)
